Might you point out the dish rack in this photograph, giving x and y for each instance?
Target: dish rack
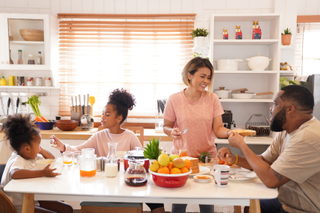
(259, 123)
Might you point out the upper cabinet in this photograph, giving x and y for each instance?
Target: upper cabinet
(30, 26)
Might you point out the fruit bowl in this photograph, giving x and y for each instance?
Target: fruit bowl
(170, 180)
(67, 125)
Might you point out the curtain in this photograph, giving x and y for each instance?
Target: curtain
(142, 53)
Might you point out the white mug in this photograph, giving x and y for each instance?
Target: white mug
(221, 175)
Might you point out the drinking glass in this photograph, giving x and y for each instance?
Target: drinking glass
(75, 157)
(67, 158)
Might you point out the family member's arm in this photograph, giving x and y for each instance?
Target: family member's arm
(218, 128)
(168, 129)
(46, 154)
(25, 173)
(262, 168)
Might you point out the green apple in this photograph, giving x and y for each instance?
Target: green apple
(172, 157)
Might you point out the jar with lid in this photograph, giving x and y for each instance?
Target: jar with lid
(111, 166)
(39, 58)
(20, 61)
(136, 154)
(31, 59)
(136, 174)
(87, 162)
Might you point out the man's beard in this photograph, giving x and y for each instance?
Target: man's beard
(278, 121)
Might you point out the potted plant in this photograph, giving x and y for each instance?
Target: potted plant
(286, 82)
(286, 37)
(199, 36)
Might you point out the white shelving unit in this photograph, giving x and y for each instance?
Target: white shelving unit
(255, 81)
(10, 25)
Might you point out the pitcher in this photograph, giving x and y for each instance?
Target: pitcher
(87, 162)
(111, 167)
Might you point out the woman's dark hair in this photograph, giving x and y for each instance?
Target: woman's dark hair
(19, 131)
(122, 101)
(300, 96)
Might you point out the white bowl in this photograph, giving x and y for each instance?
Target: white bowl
(41, 164)
(202, 178)
(228, 64)
(258, 62)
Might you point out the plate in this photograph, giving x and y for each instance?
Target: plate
(202, 170)
(242, 175)
(202, 178)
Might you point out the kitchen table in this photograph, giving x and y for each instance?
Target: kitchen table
(70, 186)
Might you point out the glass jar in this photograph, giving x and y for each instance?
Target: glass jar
(111, 166)
(31, 59)
(87, 162)
(20, 61)
(30, 81)
(136, 174)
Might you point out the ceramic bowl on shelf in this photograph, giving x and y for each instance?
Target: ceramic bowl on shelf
(67, 125)
(258, 62)
(228, 64)
(32, 34)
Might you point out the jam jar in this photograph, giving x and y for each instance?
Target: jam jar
(136, 174)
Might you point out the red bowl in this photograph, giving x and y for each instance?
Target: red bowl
(170, 180)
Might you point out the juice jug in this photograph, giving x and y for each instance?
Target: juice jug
(111, 166)
(87, 162)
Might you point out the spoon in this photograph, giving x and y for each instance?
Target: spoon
(184, 131)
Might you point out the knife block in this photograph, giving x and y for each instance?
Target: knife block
(75, 115)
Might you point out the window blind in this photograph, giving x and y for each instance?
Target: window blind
(142, 53)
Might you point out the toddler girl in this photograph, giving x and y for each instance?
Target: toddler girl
(25, 140)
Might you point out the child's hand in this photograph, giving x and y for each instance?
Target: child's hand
(56, 143)
(47, 172)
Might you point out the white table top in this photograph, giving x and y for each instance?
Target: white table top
(70, 186)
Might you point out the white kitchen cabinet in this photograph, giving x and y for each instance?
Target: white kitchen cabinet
(10, 25)
(254, 81)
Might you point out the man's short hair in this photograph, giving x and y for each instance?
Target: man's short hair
(300, 95)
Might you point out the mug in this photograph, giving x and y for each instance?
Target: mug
(11, 80)
(221, 175)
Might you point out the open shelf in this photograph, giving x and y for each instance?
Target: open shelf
(245, 41)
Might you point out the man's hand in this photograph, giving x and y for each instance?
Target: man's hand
(235, 140)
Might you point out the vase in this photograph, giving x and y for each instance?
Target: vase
(199, 41)
(286, 39)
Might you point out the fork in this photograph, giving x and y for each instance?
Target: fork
(184, 131)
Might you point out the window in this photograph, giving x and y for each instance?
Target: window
(142, 53)
(307, 54)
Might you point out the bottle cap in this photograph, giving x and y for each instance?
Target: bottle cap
(39, 51)
(2, 76)
(19, 50)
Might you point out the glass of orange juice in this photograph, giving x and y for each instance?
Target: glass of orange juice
(67, 158)
(183, 152)
(75, 157)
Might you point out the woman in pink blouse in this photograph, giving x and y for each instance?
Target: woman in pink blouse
(198, 110)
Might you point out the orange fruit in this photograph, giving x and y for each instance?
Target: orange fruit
(184, 169)
(175, 171)
(188, 163)
(221, 161)
(164, 170)
(170, 166)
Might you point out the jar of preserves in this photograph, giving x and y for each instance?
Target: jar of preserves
(87, 162)
(31, 59)
(136, 174)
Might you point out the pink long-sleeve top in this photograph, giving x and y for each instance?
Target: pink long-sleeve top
(99, 141)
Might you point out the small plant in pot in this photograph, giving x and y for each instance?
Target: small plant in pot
(286, 37)
(199, 36)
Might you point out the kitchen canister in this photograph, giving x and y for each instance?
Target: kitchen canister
(20, 80)
(11, 80)
(39, 81)
(30, 81)
(48, 82)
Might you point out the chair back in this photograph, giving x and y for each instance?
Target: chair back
(5, 204)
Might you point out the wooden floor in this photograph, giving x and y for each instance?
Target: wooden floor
(79, 211)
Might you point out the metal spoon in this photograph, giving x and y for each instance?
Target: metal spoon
(184, 131)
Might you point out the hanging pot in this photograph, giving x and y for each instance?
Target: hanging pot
(249, 95)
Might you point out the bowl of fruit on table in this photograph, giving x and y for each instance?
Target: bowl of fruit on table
(170, 171)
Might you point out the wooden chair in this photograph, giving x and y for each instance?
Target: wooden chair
(103, 207)
(5, 204)
(139, 130)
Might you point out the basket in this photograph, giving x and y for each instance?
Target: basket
(260, 124)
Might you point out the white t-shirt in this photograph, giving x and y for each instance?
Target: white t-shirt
(17, 162)
(297, 156)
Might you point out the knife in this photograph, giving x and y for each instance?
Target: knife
(17, 105)
(88, 106)
(79, 104)
(76, 104)
(8, 106)
(72, 103)
(84, 105)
